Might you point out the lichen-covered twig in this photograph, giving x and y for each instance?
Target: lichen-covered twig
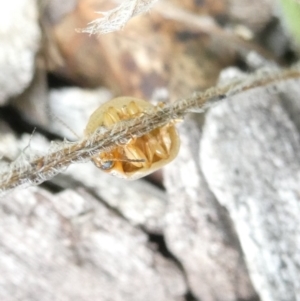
(116, 18)
(35, 170)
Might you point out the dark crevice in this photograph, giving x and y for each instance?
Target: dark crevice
(52, 187)
(55, 81)
(157, 183)
(272, 34)
(162, 248)
(15, 120)
(290, 57)
(19, 125)
(159, 241)
(190, 297)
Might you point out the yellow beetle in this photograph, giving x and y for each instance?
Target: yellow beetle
(140, 156)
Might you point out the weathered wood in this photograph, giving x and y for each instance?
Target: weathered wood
(138, 201)
(69, 246)
(250, 155)
(20, 39)
(71, 108)
(198, 230)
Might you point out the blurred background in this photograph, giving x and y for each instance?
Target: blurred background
(220, 223)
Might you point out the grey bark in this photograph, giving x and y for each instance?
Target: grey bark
(69, 246)
(198, 230)
(20, 39)
(250, 157)
(138, 201)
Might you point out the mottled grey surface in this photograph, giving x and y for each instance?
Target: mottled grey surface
(20, 39)
(71, 108)
(138, 201)
(32, 104)
(198, 230)
(250, 155)
(69, 246)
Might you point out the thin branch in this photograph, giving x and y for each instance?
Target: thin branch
(116, 18)
(35, 170)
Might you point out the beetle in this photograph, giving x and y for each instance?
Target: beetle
(139, 156)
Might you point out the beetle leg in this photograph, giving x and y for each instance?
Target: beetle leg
(165, 138)
(154, 147)
(159, 150)
(149, 152)
(135, 153)
(111, 117)
(133, 108)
